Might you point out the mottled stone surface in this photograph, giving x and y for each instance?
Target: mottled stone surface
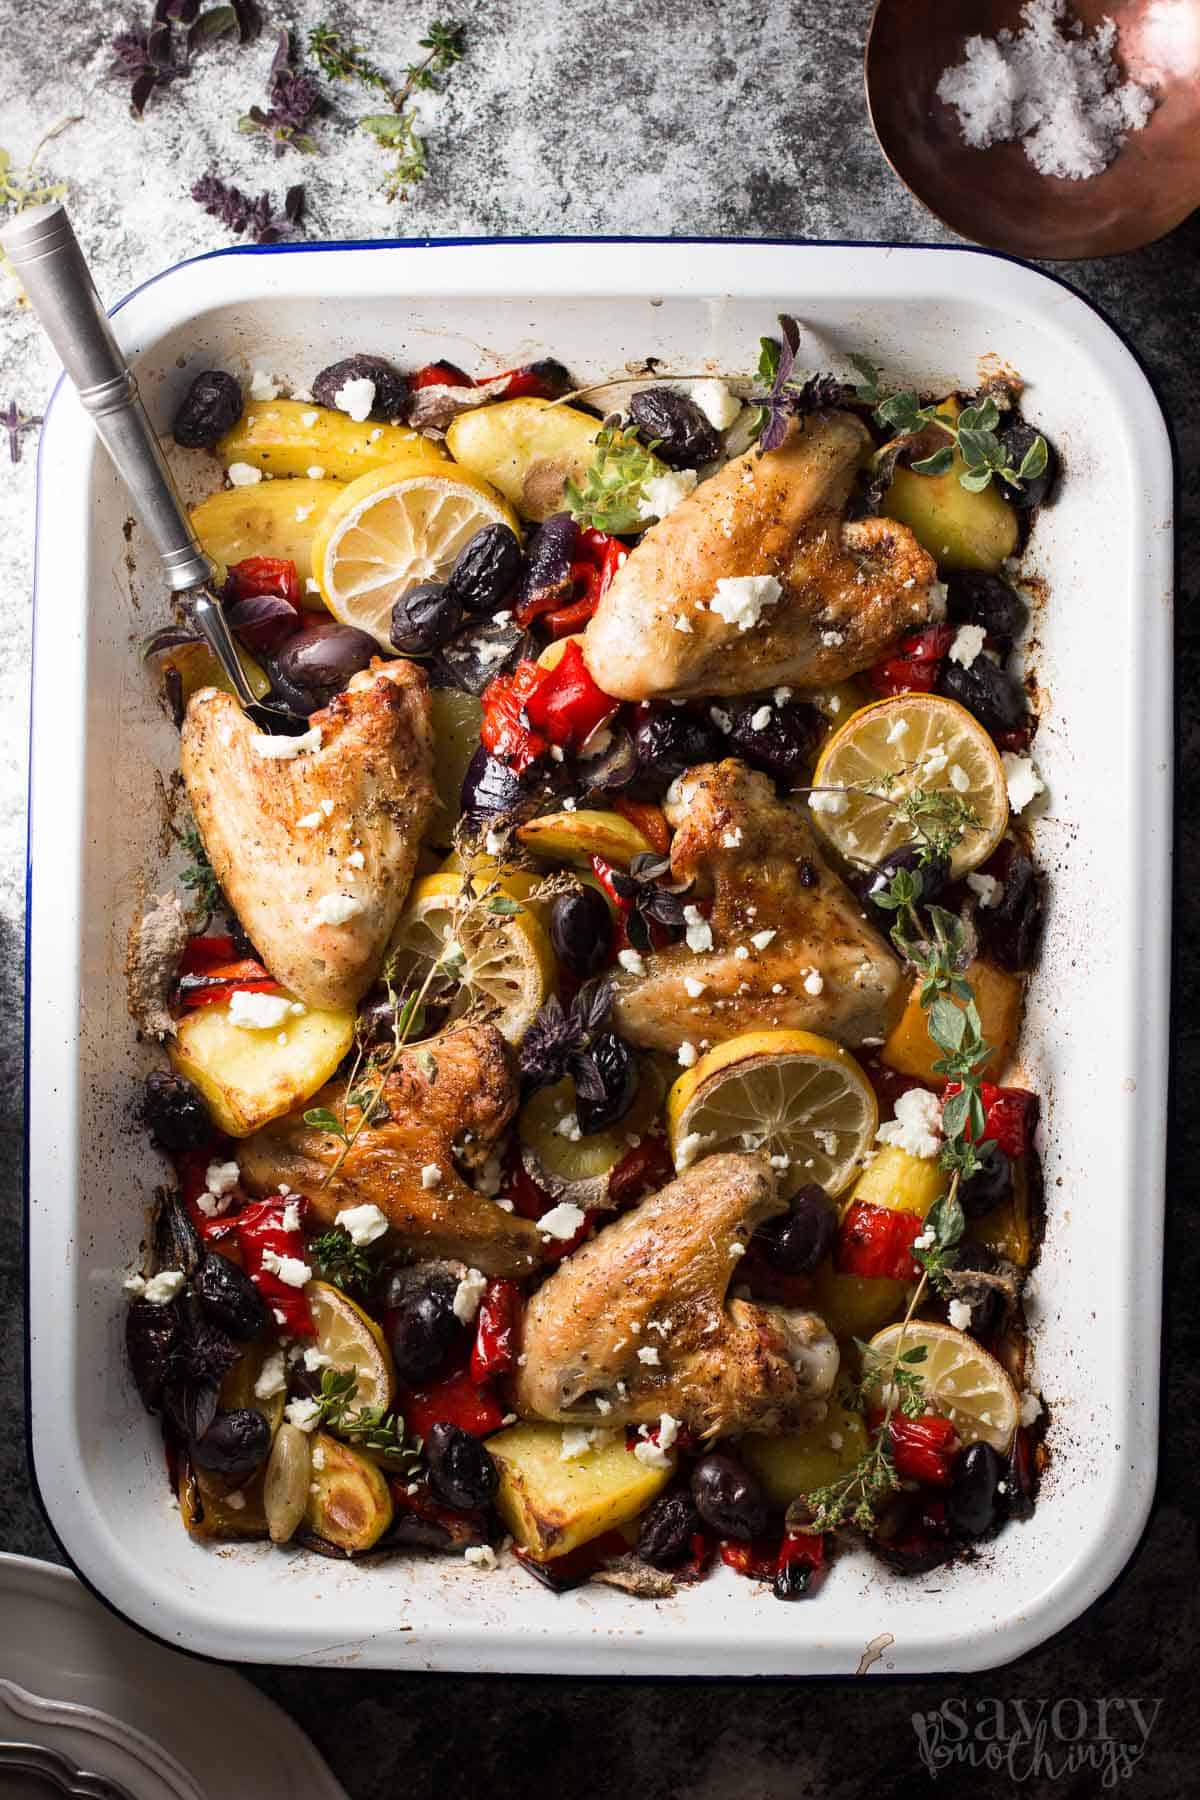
(606, 116)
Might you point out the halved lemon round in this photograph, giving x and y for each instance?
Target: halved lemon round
(887, 751)
(506, 962)
(396, 527)
(960, 1380)
(352, 1341)
(789, 1093)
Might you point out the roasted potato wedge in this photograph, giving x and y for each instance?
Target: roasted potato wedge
(788, 1466)
(292, 437)
(527, 448)
(199, 668)
(249, 1077)
(552, 1506)
(349, 1501)
(854, 1305)
(960, 530)
(575, 837)
(456, 718)
(999, 996)
(276, 518)
(208, 1511)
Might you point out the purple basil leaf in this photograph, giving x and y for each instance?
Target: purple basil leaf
(270, 235)
(170, 637)
(249, 20)
(141, 91)
(293, 205)
(216, 23)
(282, 56)
(790, 333)
(263, 620)
(775, 429)
(182, 11)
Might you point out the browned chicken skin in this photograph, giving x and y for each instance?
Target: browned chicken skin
(849, 590)
(293, 840)
(824, 970)
(454, 1117)
(638, 1317)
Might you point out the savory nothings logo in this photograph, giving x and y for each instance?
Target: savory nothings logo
(1045, 1740)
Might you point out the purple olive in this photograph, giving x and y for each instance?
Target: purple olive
(391, 388)
(685, 436)
(486, 570)
(728, 1497)
(801, 1238)
(671, 739)
(782, 744)
(987, 691)
(603, 1099)
(317, 662)
(235, 1442)
(1018, 439)
(211, 405)
(547, 578)
(973, 597)
(581, 931)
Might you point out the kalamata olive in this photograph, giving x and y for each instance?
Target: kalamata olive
(491, 791)
(486, 570)
(666, 1529)
(801, 1238)
(581, 931)
(546, 578)
(229, 1297)
(1018, 439)
(972, 1502)
(616, 1088)
(211, 405)
(235, 1443)
(671, 739)
(686, 436)
(989, 1186)
(986, 690)
(322, 658)
(987, 1302)
(934, 875)
(976, 598)
(783, 744)
(611, 768)
(177, 1243)
(151, 1333)
(480, 651)
(460, 1471)
(424, 619)
(391, 388)
(423, 1325)
(174, 1113)
(728, 1497)
(1011, 930)
(792, 1580)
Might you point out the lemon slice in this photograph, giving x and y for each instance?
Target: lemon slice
(394, 528)
(352, 1341)
(960, 1380)
(786, 1092)
(507, 964)
(914, 741)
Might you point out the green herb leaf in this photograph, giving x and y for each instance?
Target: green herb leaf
(867, 388)
(1034, 461)
(503, 906)
(614, 488)
(427, 1065)
(937, 464)
(338, 1259)
(321, 1119)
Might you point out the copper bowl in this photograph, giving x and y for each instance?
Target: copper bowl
(996, 196)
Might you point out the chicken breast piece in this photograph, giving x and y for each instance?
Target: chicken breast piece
(845, 590)
(637, 1320)
(315, 852)
(823, 968)
(447, 1103)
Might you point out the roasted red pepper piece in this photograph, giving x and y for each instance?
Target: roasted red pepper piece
(203, 954)
(545, 380)
(497, 1330)
(650, 820)
(440, 374)
(554, 1251)
(757, 1559)
(922, 1449)
(567, 705)
(191, 1166)
(1010, 1116)
(876, 1242)
(216, 985)
(642, 1172)
(505, 730)
(807, 1547)
(456, 1399)
(914, 664)
(261, 1234)
(607, 876)
(529, 1200)
(256, 575)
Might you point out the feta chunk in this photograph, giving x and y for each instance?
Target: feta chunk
(688, 1055)
(243, 474)
(356, 398)
(986, 889)
(698, 932)
(221, 1177)
(740, 599)
(272, 1377)
(263, 386)
(431, 1176)
(337, 909)
(290, 1270)
(761, 939)
(693, 988)
(631, 962)
(648, 1354)
(959, 1315)
(283, 749)
(1023, 781)
(363, 1224)
(833, 801)
(561, 1222)
(662, 493)
(715, 401)
(968, 642)
(305, 1415)
(917, 1126)
(162, 1288)
(257, 1012)
(468, 1294)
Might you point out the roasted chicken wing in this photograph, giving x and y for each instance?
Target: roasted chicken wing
(839, 593)
(316, 851)
(636, 1323)
(809, 960)
(447, 1104)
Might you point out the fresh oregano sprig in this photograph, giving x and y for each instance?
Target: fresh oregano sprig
(972, 433)
(396, 131)
(614, 487)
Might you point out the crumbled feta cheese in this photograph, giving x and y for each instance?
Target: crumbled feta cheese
(831, 639)
(309, 822)
(1022, 779)
(986, 889)
(603, 1406)
(315, 1360)
(257, 1012)
(318, 1457)
(740, 599)
(737, 1248)
(693, 988)
(684, 624)
(596, 743)
(938, 599)
(161, 1289)
(814, 982)
(688, 1055)
(214, 1206)
(651, 1455)
(337, 909)
(310, 586)
(290, 1220)
(648, 1354)
(828, 1141)
(631, 962)
(570, 804)
(715, 401)
(301, 393)
(731, 839)
(290, 1270)
(698, 932)
(833, 801)
(315, 472)
(968, 642)
(356, 397)
(569, 1127)
(575, 1442)
(327, 805)
(305, 1415)
(662, 493)
(557, 753)
(760, 718)
(376, 434)
(934, 760)
(917, 1126)
(780, 1162)
(761, 939)
(1031, 1407)
(488, 1180)
(468, 1294)
(480, 1556)
(721, 719)
(958, 778)
(356, 860)
(263, 386)
(896, 730)
(431, 1176)
(283, 749)
(272, 1377)
(309, 419)
(561, 1222)
(741, 953)
(689, 1148)
(243, 474)
(363, 1223)
(959, 1315)
(220, 1177)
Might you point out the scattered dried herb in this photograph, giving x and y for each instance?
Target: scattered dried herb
(293, 97)
(242, 214)
(149, 57)
(397, 130)
(16, 423)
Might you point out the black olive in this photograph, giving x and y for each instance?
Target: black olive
(976, 598)
(986, 690)
(474, 656)
(235, 1443)
(618, 1077)
(1011, 930)
(211, 405)
(229, 1297)
(424, 619)
(972, 1502)
(174, 1113)
(728, 1497)
(151, 1333)
(785, 745)
(1018, 439)
(989, 1186)
(177, 1243)
(797, 1241)
(581, 931)
(424, 1326)
(460, 1471)
(320, 660)
(486, 570)
(793, 1580)
(547, 577)
(666, 1529)
(391, 388)
(987, 1302)
(934, 875)
(686, 436)
(671, 739)
(491, 791)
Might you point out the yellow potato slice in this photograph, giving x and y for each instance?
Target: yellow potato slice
(551, 1504)
(292, 437)
(275, 518)
(527, 448)
(250, 1077)
(575, 837)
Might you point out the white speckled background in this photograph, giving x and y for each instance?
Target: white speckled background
(606, 116)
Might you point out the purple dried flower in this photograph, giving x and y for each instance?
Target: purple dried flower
(16, 423)
(293, 98)
(228, 203)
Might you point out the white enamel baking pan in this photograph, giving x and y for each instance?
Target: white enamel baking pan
(1096, 1042)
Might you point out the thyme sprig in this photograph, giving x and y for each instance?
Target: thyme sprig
(397, 130)
(613, 493)
(371, 1427)
(339, 1260)
(198, 876)
(972, 433)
